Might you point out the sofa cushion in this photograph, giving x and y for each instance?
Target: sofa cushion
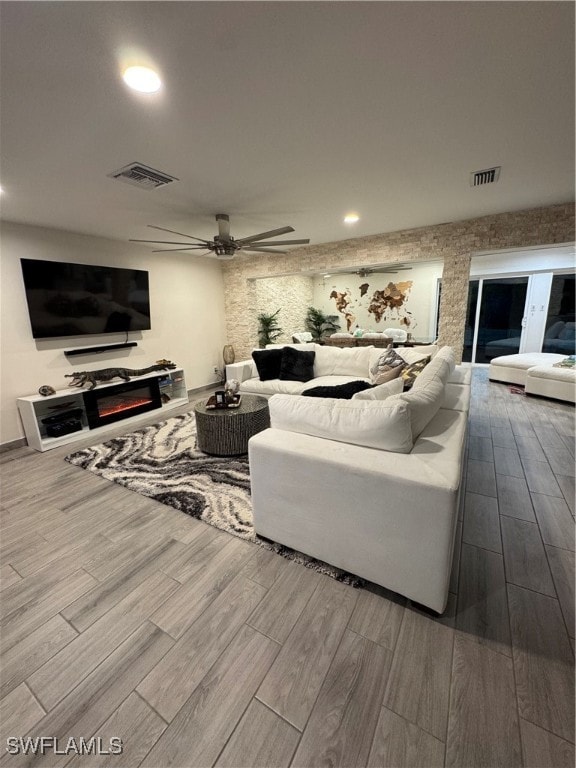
(342, 361)
(307, 346)
(382, 362)
(568, 332)
(375, 424)
(268, 362)
(382, 391)
(325, 360)
(339, 391)
(423, 404)
(429, 350)
(410, 372)
(462, 374)
(447, 354)
(296, 365)
(554, 330)
(272, 387)
(341, 335)
(436, 368)
(388, 375)
(410, 355)
(457, 397)
(396, 334)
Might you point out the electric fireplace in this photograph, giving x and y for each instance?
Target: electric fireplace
(105, 406)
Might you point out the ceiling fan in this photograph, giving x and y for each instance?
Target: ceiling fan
(223, 245)
(364, 272)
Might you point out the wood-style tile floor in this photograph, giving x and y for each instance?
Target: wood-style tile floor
(122, 617)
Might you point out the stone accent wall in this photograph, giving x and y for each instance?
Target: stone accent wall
(454, 301)
(453, 242)
(292, 294)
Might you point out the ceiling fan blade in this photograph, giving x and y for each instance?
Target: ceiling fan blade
(263, 250)
(171, 250)
(165, 242)
(285, 242)
(264, 235)
(182, 234)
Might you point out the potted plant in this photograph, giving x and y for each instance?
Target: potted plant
(268, 328)
(319, 324)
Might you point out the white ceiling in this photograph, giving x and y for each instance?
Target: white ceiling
(284, 113)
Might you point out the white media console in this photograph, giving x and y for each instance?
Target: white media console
(40, 415)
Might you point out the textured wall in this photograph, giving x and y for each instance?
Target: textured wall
(292, 294)
(453, 242)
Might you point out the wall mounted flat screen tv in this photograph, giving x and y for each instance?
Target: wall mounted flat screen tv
(78, 299)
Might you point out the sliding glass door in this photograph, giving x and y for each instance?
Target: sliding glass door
(495, 318)
(559, 336)
(470, 329)
(525, 313)
(501, 317)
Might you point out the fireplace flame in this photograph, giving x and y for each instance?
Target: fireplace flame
(107, 409)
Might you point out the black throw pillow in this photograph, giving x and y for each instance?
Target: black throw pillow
(340, 391)
(297, 366)
(268, 362)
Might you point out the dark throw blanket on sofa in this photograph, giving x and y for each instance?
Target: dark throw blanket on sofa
(340, 391)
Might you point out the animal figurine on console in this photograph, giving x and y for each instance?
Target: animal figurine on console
(106, 374)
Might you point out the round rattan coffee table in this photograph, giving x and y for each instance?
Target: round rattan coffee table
(226, 431)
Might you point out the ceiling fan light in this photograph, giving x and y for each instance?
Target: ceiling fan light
(142, 79)
(351, 218)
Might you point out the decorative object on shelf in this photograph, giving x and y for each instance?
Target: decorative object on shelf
(268, 329)
(320, 324)
(107, 374)
(228, 354)
(46, 390)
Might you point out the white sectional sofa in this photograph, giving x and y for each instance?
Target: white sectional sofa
(332, 366)
(369, 486)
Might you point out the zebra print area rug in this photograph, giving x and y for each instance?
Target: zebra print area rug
(161, 461)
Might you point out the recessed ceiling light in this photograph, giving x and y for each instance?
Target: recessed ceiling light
(142, 79)
(351, 218)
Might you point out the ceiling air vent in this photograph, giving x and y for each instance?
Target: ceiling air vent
(487, 176)
(142, 176)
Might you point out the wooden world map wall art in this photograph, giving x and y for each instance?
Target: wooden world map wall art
(386, 305)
